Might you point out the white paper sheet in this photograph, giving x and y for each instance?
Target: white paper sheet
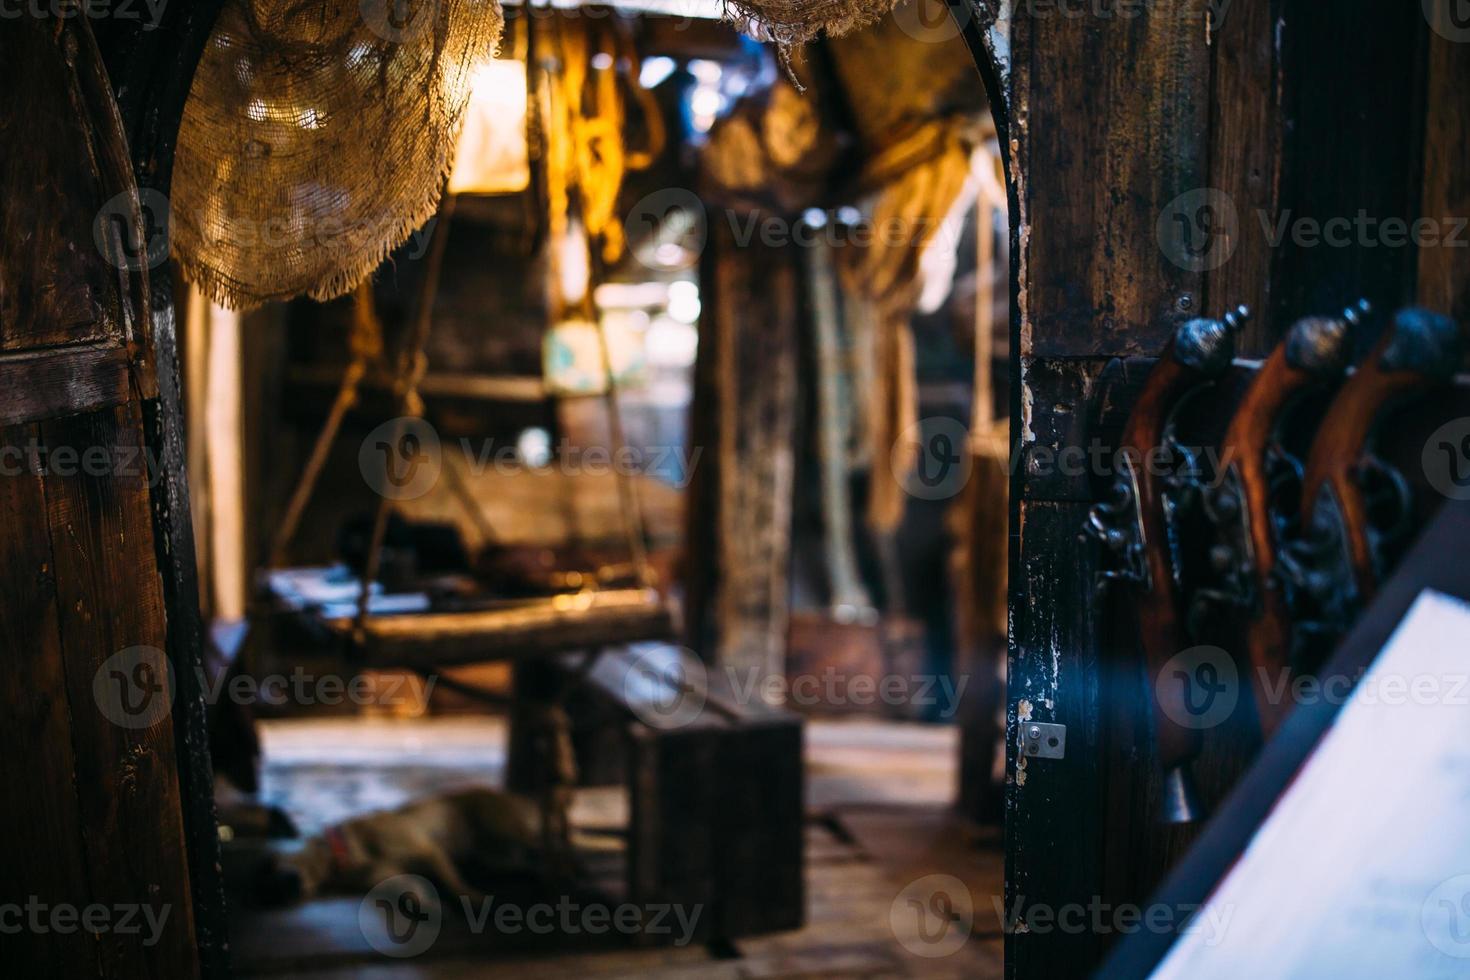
(1362, 870)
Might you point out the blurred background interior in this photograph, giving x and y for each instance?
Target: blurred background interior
(707, 375)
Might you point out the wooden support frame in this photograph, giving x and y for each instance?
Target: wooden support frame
(151, 72)
(1113, 126)
(124, 813)
(1156, 106)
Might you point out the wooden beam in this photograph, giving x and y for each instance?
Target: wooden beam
(1107, 121)
(756, 292)
(446, 639)
(151, 68)
(1444, 269)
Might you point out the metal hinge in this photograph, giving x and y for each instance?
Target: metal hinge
(1043, 741)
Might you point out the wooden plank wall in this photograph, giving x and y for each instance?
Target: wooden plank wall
(100, 820)
(90, 559)
(1122, 124)
(44, 858)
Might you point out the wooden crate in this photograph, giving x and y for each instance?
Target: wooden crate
(716, 807)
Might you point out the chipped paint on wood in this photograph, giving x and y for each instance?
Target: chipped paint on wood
(1028, 405)
(999, 38)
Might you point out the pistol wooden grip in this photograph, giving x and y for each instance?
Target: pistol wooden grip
(1339, 447)
(1268, 643)
(1268, 632)
(1159, 612)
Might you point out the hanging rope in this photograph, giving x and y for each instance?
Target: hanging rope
(586, 160)
(412, 363)
(365, 342)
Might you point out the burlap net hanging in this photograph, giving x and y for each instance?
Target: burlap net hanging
(794, 22)
(316, 139)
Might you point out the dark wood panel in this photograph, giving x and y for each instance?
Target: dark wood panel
(63, 381)
(74, 331)
(110, 597)
(1354, 107)
(1291, 110)
(1111, 116)
(173, 544)
(40, 849)
(1055, 841)
(55, 285)
(1444, 269)
(1245, 160)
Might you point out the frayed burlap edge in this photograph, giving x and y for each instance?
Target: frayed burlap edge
(221, 289)
(232, 294)
(791, 23)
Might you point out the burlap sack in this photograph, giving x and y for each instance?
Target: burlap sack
(316, 139)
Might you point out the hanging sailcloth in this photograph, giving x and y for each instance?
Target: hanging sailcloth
(317, 138)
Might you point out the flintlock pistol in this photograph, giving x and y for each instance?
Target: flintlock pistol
(1134, 525)
(1337, 562)
(1251, 505)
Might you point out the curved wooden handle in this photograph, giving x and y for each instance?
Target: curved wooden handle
(1159, 609)
(1313, 353)
(1199, 352)
(1419, 350)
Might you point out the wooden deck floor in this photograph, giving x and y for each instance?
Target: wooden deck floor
(885, 861)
